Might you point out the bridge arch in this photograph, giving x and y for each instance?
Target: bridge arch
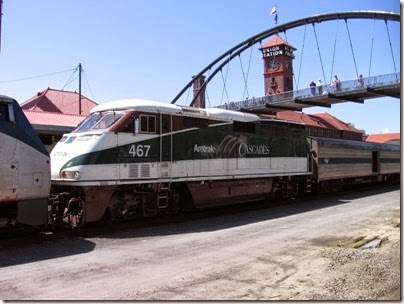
(235, 51)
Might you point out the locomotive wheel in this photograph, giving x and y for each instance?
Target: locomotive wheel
(75, 212)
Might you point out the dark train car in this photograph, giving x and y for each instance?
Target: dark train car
(335, 161)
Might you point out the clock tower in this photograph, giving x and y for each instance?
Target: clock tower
(278, 59)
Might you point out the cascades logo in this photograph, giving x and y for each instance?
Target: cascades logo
(234, 146)
(252, 150)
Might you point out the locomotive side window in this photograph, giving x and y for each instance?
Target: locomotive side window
(147, 124)
(6, 113)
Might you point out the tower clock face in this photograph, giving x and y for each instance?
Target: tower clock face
(273, 63)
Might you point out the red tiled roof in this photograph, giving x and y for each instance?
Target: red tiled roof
(57, 101)
(383, 137)
(331, 121)
(298, 117)
(321, 120)
(277, 40)
(53, 119)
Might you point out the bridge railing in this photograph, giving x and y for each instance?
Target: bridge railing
(345, 86)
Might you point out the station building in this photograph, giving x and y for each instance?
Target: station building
(53, 113)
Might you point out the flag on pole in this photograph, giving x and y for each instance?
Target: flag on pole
(274, 11)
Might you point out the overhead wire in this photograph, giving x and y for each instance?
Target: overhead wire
(38, 76)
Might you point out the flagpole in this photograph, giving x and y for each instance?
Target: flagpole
(274, 10)
(1, 14)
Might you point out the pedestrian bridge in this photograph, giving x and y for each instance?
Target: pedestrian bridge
(350, 91)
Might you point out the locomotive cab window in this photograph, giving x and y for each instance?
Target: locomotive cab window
(98, 121)
(147, 124)
(6, 112)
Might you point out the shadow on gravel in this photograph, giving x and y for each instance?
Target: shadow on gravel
(45, 248)
(48, 246)
(236, 215)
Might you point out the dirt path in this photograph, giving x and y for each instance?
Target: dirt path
(282, 253)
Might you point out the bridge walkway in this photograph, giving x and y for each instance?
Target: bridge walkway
(388, 85)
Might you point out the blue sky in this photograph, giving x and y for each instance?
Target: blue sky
(151, 48)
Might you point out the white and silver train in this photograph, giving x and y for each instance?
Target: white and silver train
(138, 158)
(24, 169)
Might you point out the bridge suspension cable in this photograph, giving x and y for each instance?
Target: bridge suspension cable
(391, 48)
(333, 54)
(301, 57)
(350, 42)
(319, 53)
(371, 46)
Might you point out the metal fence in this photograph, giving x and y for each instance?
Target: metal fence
(345, 86)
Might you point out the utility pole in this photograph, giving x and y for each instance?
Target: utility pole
(79, 88)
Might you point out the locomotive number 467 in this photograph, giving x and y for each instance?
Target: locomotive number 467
(139, 150)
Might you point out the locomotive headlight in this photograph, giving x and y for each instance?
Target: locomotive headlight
(70, 175)
(77, 175)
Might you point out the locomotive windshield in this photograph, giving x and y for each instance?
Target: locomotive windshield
(98, 121)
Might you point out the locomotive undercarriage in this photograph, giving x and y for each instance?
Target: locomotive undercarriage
(73, 207)
(289, 187)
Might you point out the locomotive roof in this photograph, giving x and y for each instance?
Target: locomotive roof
(21, 129)
(138, 104)
(144, 105)
(354, 143)
(7, 99)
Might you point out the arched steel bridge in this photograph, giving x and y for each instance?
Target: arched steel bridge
(353, 91)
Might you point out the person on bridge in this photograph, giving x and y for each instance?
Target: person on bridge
(313, 87)
(337, 82)
(320, 87)
(278, 90)
(361, 81)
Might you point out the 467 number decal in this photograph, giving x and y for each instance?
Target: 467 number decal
(139, 150)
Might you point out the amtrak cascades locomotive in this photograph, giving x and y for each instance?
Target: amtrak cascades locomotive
(137, 158)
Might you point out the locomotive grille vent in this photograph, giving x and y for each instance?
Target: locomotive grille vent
(145, 171)
(133, 171)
